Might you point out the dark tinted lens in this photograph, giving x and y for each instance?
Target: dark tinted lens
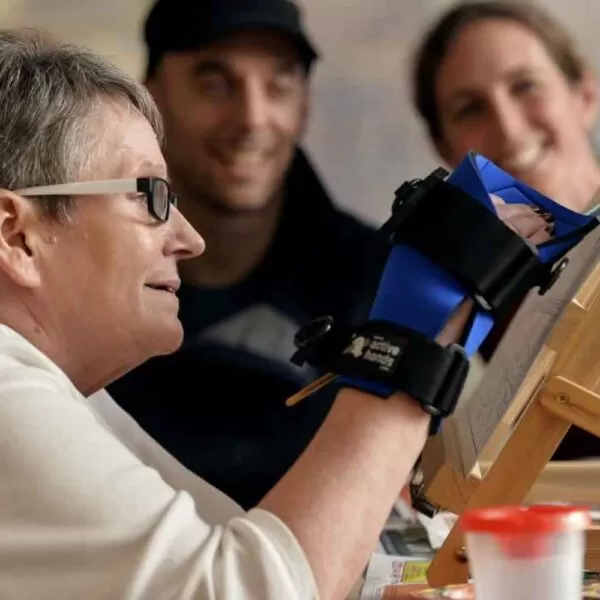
(160, 199)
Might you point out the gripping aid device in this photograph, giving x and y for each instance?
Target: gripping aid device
(445, 245)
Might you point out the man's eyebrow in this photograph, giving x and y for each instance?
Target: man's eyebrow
(215, 66)
(209, 66)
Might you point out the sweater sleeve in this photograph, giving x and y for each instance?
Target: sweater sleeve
(82, 517)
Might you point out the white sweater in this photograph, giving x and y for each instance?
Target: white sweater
(92, 508)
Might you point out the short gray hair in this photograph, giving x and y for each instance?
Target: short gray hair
(49, 93)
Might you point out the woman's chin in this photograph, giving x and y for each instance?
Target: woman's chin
(167, 339)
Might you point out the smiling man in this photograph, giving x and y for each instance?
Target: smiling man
(232, 80)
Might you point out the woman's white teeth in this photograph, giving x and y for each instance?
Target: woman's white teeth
(526, 158)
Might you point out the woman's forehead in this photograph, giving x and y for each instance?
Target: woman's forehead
(131, 146)
(487, 50)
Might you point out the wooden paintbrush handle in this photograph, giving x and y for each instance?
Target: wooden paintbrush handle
(311, 388)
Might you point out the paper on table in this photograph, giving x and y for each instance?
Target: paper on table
(384, 570)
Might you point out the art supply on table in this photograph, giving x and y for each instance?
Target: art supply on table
(311, 388)
(524, 553)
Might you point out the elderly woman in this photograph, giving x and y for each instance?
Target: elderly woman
(90, 238)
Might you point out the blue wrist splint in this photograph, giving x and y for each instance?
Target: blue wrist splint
(447, 245)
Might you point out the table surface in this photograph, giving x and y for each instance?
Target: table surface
(401, 592)
(394, 593)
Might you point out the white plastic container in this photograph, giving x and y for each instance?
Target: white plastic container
(518, 553)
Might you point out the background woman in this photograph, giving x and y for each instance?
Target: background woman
(506, 80)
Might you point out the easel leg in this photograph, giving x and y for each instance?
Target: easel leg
(509, 481)
(592, 549)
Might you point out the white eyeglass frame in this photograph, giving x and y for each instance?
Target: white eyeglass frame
(139, 185)
(89, 188)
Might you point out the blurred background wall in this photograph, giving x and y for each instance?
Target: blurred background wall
(364, 134)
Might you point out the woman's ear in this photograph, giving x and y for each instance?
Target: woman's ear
(587, 89)
(19, 227)
(444, 152)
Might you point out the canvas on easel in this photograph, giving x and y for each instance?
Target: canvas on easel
(517, 408)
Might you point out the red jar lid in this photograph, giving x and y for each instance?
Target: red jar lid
(526, 520)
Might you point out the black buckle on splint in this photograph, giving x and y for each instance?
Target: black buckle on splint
(395, 357)
(439, 220)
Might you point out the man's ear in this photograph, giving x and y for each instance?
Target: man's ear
(152, 85)
(19, 228)
(305, 109)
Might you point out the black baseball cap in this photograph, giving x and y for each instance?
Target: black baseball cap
(180, 25)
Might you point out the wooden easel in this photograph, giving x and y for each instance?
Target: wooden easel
(562, 388)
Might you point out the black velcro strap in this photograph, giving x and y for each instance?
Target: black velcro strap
(469, 242)
(405, 361)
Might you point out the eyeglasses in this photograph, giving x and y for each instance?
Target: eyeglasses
(157, 191)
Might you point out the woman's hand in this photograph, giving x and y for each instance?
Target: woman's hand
(530, 223)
